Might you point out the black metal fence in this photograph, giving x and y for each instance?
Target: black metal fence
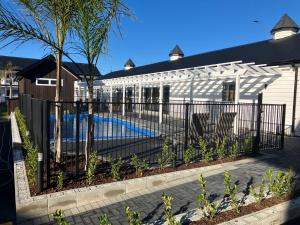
(124, 129)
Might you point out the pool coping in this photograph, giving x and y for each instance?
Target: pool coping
(29, 207)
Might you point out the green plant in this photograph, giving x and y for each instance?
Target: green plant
(91, 168)
(205, 151)
(220, 148)
(165, 156)
(138, 164)
(234, 151)
(167, 199)
(115, 168)
(133, 217)
(59, 218)
(208, 208)
(60, 180)
(231, 191)
(103, 220)
(282, 183)
(189, 154)
(247, 144)
(259, 196)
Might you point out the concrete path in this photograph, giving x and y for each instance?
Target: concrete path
(151, 207)
(7, 194)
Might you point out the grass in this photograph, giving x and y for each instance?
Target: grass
(3, 114)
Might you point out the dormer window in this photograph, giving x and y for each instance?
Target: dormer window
(47, 82)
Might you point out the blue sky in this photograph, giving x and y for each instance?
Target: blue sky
(195, 25)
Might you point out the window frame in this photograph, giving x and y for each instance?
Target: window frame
(226, 89)
(49, 84)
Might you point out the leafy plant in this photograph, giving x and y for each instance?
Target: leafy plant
(103, 220)
(220, 148)
(259, 196)
(247, 144)
(115, 168)
(166, 156)
(91, 168)
(208, 207)
(167, 199)
(282, 183)
(234, 151)
(189, 154)
(138, 164)
(231, 191)
(133, 217)
(205, 151)
(59, 218)
(60, 180)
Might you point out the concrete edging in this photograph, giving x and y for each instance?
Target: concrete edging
(29, 207)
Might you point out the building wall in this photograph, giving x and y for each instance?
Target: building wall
(27, 85)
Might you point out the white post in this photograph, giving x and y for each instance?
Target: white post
(161, 95)
(140, 99)
(123, 105)
(111, 99)
(237, 88)
(192, 88)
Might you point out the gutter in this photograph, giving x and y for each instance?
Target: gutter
(295, 98)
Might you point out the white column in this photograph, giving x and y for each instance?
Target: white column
(110, 100)
(140, 100)
(123, 105)
(192, 88)
(161, 95)
(237, 88)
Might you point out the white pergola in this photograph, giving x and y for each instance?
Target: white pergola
(234, 70)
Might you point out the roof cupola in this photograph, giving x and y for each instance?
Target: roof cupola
(129, 65)
(285, 27)
(176, 53)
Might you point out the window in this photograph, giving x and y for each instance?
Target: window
(46, 82)
(228, 93)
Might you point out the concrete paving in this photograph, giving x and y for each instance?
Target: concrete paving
(150, 204)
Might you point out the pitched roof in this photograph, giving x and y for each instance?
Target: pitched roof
(271, 52)
(129, 63)
(176, 51)
(23, 65)
(285, 22)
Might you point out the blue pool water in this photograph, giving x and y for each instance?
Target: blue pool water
(105, 128)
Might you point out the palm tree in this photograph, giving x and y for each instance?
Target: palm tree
(46, 21)
(92, 23)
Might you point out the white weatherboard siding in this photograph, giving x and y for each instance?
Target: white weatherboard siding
(281, 91)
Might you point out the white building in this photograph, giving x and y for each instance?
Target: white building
(236, 74)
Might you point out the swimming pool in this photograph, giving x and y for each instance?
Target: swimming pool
(105, 128)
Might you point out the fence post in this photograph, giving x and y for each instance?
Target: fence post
(258, 123)
(46, 139)
(77, 137)
(38, 106)
(186, 125)
(283, 125)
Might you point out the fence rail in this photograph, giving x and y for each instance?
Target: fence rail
(123, 129)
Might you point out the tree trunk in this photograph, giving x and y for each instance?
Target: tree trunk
(58, 108)
(90, 128)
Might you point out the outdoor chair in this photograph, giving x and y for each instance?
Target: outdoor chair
(198, 125)
(225, 125)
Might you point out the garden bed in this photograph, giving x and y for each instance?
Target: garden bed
(127, 173)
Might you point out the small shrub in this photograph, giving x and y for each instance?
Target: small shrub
(60, 180)
(282, 183)
(167, 199)
(59, 218)
(166, 156)
(91, 168)
(231, 191)
(261, 194)
(132, 217)
(234, 151)
(220, 148)
(103, 220)
(115, 168)
(208, 208)
(205, 151)
(189, 154)
(247, 144)
(138, 164)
